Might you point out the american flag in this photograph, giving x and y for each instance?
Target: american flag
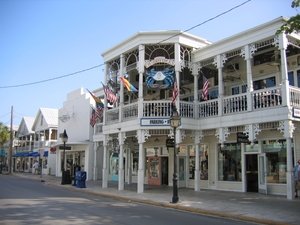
(109, 94)
(175, 92)
(206, 85)
(93, 118)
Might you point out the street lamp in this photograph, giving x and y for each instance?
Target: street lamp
(64, 138)
(175, 121)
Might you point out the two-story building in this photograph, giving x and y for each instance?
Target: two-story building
(243, 138)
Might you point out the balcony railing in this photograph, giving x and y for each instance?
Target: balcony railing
(260, 99)
(43, 144)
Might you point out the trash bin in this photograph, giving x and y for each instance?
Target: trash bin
(74, 169)
(80, 179)
(66, 177)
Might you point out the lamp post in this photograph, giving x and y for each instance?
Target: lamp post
(64, 138)
(174, 121)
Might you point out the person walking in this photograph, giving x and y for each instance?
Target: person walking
(36, 167)
(297, 178)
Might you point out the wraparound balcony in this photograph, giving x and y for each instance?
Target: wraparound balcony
(259, 100)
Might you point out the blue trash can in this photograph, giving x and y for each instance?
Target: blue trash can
(80, 179)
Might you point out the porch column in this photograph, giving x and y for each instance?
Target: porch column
(121, 164)
(248, 55)
(129, 170)
(197, 167)
(287, 127)
(141, 170)
(141, 68)
(219, 64)
(283, 42)
(105, 160)
(196, 95)
(121, 87)
(177, 71)
(95, 161)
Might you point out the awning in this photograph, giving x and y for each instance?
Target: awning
(30, 154)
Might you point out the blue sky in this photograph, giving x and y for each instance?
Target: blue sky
(45, 39)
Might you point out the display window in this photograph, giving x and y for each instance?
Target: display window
(229, 162)
(276, 160)
(203, 160)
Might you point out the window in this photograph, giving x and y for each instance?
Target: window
(268, 82)
(235, 91)
(276, 160)
(291, 78)
(203, 160)
(229, 162)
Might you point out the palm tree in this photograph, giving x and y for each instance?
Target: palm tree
(4, 137)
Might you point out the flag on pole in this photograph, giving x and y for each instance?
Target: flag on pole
(175, 92)
(206, 85)
(99, 103)
(94, 117)
(128, 85)
(109, 94)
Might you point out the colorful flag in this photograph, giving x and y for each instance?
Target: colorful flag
(175, 92)
(109, 94)
(93, 118)
(99, 103)
(128, 85)
(206, 85)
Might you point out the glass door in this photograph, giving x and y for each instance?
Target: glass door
(181, 172)
(262, 173)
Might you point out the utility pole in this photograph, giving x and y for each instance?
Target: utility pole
(11, 140)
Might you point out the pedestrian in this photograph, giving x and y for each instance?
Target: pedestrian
(297, 178)
(36, 167)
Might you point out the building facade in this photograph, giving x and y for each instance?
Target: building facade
(242, 138)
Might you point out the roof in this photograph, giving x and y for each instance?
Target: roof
(50, 116)
(25, 127)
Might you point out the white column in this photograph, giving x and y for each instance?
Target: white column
(141, 83)
(129, 169)
(249, 77)
(105, 160)
(197, 163)
(95, 177)
(177, 70)
(121, 164)
(284, 73)
(141, 171)
(121, 87)
(221, 84)
(289, 173)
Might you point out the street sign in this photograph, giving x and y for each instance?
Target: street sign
(61, 147)
(242, 138)
(170, 142)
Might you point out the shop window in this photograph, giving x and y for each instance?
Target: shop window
(264, 83)
(203, 160)
(276, 160)
(229, 162)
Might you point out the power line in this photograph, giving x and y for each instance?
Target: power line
(81, 71)
(54, 78)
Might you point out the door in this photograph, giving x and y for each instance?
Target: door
(154, 170)
(181, 172)
(262, 173)
(252, 173)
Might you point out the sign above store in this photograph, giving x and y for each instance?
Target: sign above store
(155, 122)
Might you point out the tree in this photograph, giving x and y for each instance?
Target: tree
(293, 24)
(4, 134)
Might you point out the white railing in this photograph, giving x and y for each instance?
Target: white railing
(112, 116)
(130, 111)
(208, 108)
(157, 109)
(295, 96)
(235, 103)
(266, 98)
(187, 109)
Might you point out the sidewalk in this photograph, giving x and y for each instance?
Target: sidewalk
(265, 209)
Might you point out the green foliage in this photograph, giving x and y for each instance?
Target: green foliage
(4, 133)
(293, 24)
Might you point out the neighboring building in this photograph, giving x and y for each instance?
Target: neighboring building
(74, 117)
(45, 137)
(24, 145)
(243, 138)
